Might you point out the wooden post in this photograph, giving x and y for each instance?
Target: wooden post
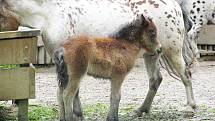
(23, 110)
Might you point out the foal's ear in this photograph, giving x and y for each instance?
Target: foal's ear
(144, 21)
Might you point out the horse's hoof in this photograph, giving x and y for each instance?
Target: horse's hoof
(139, 113)
(189, 111)
(112, 119)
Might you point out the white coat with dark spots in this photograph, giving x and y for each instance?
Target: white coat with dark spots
(201, 13)
(60, 19)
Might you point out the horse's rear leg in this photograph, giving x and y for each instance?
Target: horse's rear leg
(176, 60)
(155, 79)
(115, 96)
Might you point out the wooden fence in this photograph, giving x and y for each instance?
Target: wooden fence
(206, 43)
(43, 58)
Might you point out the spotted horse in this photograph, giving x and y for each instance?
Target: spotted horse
(200, 13)
(61, 19)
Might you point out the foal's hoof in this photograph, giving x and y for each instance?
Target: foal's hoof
(189, 112)
(77, 118)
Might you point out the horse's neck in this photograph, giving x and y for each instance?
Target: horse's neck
(41, 14)
(32, 13)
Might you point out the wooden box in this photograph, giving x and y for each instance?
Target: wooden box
(18, 47)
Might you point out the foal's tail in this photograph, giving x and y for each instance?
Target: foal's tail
(61, 67)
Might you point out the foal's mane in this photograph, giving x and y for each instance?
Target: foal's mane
(131, 31)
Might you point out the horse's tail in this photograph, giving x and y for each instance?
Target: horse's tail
(189, 55)
(167, 65)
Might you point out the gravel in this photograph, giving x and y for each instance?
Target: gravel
(134, 89)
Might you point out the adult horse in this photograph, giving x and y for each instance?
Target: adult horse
(59, 20)
(200, 13)
(8, 23)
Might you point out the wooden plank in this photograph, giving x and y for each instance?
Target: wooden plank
(17, 83)
(207, 51)
(41, 55)
(31, 83)
(23, 110)
(207, 35)
(18, 51)
(18, 34)
(48, 58)
(40, 41)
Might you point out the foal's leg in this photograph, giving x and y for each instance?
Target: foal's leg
(61, 104)
(78, 114)
(155, 79)
(178, 63)
(62, 78)
(68, 96)
(115, 96)
(77, 109)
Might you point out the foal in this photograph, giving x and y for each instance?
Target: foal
(110, 57)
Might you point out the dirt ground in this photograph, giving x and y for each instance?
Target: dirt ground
(134, 90)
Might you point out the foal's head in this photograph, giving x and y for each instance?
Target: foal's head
(142, 31)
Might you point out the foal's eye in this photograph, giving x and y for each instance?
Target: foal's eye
(152, 31)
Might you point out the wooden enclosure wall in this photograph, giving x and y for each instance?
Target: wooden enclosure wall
(206, 43)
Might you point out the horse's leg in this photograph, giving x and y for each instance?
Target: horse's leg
(115, 96)
(77, 109)
(155, 79)
(68, 96)
(176, 60)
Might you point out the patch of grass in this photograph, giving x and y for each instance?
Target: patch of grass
(158, 112)
(98, 112)
(6, 114)
(42, 113)
(35, 113)
(8, 66)
(95, 112)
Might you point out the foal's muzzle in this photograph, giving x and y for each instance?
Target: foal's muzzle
(159, 50)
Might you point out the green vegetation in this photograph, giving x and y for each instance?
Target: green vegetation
(8, 66)
(42, 113)
(98, 112)
(6, 113)
(35, 113)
